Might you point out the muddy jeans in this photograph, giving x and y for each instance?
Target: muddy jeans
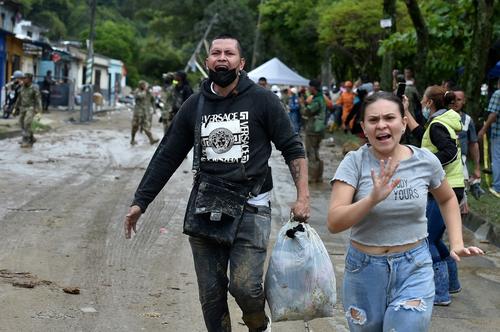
(246, 259)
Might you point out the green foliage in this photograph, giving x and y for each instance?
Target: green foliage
(450, 30)
(156, 58)
(236, 18)
(56, 29)
(116, 40)
(289, 32)
(352, 30)
(154, 36)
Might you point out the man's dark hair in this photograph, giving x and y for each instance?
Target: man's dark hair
(315, 83)
(262, 79)
(451, 84)
(181, 75)
(229, 36)
(400, 78)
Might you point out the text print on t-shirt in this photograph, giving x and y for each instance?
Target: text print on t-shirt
(402, 192)
(225, 137)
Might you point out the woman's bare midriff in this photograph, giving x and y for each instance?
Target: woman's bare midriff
(384, 250)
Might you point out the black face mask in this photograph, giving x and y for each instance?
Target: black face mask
(223, 77)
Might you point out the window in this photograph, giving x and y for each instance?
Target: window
(16, 63)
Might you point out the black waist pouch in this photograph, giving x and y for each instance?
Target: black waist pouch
(215, 209)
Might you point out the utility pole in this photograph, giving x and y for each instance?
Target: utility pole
(256, 40)
(192, 60)
(389, 26)
(88, 89)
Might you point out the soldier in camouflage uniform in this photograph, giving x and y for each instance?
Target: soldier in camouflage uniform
(168, 102)
(144, 102)
(29, 103)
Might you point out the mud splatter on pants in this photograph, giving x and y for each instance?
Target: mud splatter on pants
(390, 293)
(245, 259)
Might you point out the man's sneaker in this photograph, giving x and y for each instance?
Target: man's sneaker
(494, 192)
(442, 303)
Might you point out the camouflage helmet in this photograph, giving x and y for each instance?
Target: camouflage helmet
(18, 74)
(169, 75)
(143, 83)
(28, 75)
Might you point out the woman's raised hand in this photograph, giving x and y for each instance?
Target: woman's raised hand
(382, 183)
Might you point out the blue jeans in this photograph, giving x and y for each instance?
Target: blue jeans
(435, 228)
(246, 259)
(377, 289)
(495, 162)
(296, 121)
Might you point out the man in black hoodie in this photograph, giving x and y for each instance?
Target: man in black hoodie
(239, 120)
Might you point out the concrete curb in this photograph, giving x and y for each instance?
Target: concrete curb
(10, 134)
(483, 229)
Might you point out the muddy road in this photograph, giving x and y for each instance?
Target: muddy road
(61, 209)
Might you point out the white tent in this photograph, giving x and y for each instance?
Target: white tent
(276, 72)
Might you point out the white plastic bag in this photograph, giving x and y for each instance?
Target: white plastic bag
(300, 283)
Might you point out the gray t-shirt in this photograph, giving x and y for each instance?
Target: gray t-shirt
(400, 218)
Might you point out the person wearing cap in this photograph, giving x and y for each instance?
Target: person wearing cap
(276, 90)
(181, 91)
(144, 102)
(168, 100)
(29, 103)
(12, 92)
(314, 112)
(346, 100)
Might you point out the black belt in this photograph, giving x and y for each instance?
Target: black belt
(256, 208)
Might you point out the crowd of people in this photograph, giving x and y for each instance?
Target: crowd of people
(398, 191)
(397, 215)
(342, 108)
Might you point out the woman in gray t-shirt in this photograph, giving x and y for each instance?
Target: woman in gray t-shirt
(380, 192)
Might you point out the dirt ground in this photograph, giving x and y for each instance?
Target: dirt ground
(66, 266)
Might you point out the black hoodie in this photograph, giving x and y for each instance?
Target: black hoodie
(236, 130)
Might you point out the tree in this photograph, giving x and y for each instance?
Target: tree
(475, 68)
(291, 28)
(353, 32)
(389, 12)
(118, 41)
(158, 57)
(422, 43)
(235, 17)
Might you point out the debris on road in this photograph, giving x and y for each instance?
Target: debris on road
(152, 314)
(88, 310)
(71, 290)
